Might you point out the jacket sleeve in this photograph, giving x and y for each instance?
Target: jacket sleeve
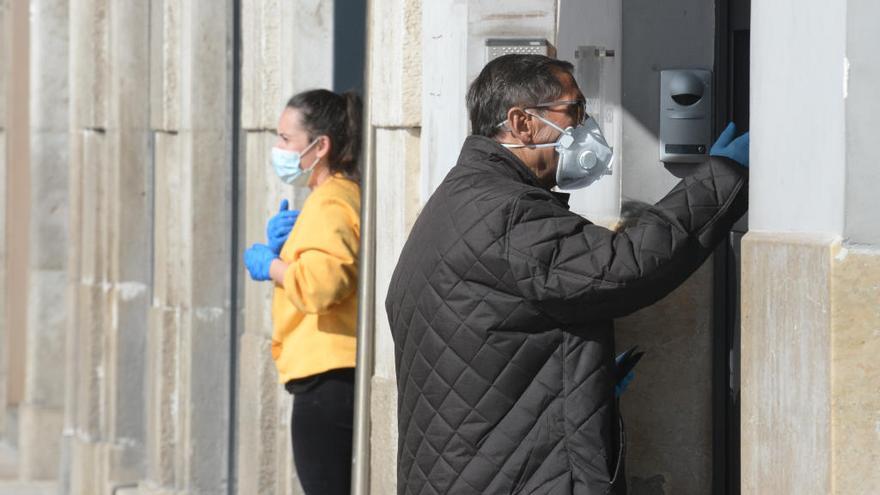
(575, 271)
(322, 270)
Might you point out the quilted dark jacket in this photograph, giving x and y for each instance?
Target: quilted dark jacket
(501, 309)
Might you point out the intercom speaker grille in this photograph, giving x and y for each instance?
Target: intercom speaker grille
(496, 47)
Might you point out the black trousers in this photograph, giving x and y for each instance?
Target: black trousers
(321, 430)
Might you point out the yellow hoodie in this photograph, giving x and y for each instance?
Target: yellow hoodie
(314, 313)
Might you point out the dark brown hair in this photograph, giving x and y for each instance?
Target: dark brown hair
(337, 116)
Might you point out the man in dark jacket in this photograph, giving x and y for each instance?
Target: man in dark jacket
(502, 302)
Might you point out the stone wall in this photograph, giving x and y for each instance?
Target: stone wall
(396, 114)
(149, 339)
(285, 50)
(41, 412)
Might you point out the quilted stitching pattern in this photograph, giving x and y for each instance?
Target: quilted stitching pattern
(501, 308)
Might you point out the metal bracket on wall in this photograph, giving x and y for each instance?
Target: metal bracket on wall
(597, 51)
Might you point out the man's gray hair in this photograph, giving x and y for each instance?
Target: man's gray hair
(511, 81)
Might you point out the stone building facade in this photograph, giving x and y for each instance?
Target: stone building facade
(134, 139)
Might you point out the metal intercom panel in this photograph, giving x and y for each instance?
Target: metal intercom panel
(496, 47)
(685, 115)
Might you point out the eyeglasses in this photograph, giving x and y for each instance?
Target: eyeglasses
(580, 107)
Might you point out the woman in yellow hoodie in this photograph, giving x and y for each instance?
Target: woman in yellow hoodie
(312, 259)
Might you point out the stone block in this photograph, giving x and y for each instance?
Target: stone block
(125, 465)
(166, 65)
(855, 420)
(396, 63)
(44, 378)
(261, 85)
(93, 300)
(83, 466)
(206, 83)
(48, 86)
(205, 375)
(208, 175)
(272, 32)
(90, 63)
(288, 480)
(129, 85)
(257, 310)
(383, 435)
(444, 120)
(397, 204)
(126, 363)
(93, 227)
(258, 430)
(49, 200)
(786, 363)
(131, 205)
(39, 433)
(49, 51)
(667, 409)
(168, 222)
(164, 420)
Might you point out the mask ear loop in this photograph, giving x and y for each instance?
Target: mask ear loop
(304, 151)
(565, 140)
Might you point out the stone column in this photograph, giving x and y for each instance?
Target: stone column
(5, 71)
(42, 409)
(811, 265)
(189, 341)
(395, 98)
(110, 252)
(285, 50)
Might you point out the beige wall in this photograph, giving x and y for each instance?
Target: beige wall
(811, 413)
(855, 372)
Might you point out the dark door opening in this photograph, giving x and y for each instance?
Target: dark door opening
(733, 21)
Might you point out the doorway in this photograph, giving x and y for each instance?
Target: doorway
(732, 61)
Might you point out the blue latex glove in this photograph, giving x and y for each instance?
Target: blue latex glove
(620, 388)
(735, 149)
(257, 259)
(279, 227)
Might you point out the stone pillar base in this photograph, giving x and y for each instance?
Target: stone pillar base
(810, 341)
(39, 444)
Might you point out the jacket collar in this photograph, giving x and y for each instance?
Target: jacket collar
(486, 154)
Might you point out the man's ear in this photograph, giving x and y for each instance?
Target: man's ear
(520, 125)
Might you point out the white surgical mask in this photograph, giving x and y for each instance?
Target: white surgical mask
(287, 163)
(584, 155)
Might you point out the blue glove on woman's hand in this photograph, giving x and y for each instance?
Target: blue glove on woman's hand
(258, 258)
(279, 227)
(735, 149)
